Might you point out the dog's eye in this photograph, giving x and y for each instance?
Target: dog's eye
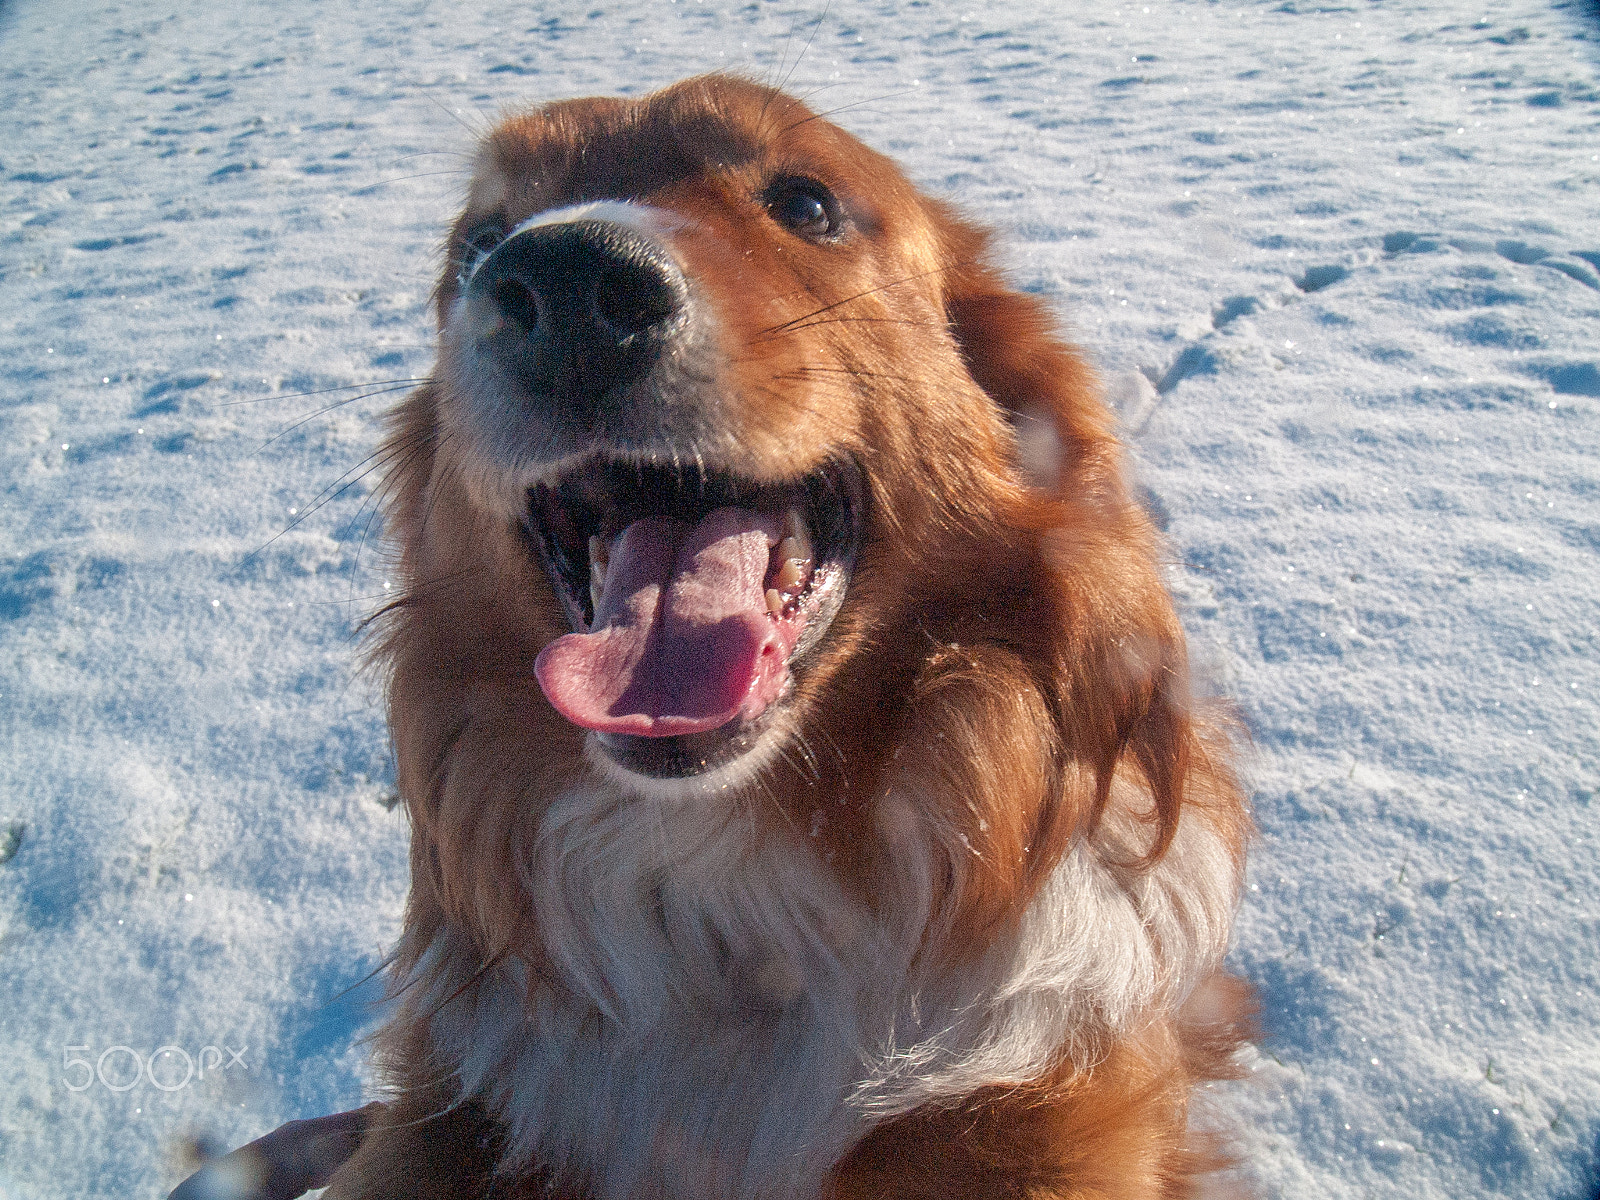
(805, 207)
(479, 243)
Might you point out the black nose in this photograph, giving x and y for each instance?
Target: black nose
(583, 307)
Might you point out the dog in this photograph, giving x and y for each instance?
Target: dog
(807, 793)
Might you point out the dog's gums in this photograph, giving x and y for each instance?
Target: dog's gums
(807, 796)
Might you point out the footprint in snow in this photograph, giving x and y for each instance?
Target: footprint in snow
(1565, 377)
(1581, 265)
(1137, 395)
(166, 395)
(1221, 340)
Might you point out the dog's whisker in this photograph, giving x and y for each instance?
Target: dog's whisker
(799, 58)
(836, 320)
(872, 291)
(451, 474)
(384, 384)
(474, 131)
(412, 596)
(852, 372)
(375, 461)
(821, 116)
(453, 173)
(374, 505)
(323, 411)
(460, 154)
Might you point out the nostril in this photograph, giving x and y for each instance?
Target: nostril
(628, 299)
(517, 301)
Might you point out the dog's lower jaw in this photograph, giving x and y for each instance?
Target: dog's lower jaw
(738, 775)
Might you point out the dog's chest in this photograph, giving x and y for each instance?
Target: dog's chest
(728, 1022)
(689, 1106)
(719, 998)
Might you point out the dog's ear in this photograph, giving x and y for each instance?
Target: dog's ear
(1120, 663)
(1009, 344)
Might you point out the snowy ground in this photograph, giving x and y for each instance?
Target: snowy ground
(1340, 263)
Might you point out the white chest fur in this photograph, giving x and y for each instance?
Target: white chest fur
(727, 1022)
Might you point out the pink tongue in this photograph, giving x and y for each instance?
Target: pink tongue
(682, 641)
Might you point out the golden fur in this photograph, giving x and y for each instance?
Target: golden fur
(1004, 689)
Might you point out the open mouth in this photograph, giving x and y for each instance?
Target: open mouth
(692, 593)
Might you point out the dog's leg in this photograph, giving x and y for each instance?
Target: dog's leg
(286, 1163)
(1118, 1131)
(418, 1152)
(413, 1155)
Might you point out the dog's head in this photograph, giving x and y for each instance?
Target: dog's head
(719, 490)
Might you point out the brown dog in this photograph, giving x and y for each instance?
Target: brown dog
(806, 800)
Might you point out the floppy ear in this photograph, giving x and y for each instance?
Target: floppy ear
(1120, 665)
(1009, 344)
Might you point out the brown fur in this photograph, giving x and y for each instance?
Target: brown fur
(1020, 639)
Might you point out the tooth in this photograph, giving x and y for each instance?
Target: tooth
(794, 529)
(598, 559)
(794, 549)
(790, 574)
(775, 602)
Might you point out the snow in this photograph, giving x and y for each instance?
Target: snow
(1340, 266)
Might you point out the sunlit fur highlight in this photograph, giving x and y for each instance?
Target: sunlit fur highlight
(957, 930)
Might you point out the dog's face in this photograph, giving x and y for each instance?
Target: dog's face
(716, 493)
(663, 336)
